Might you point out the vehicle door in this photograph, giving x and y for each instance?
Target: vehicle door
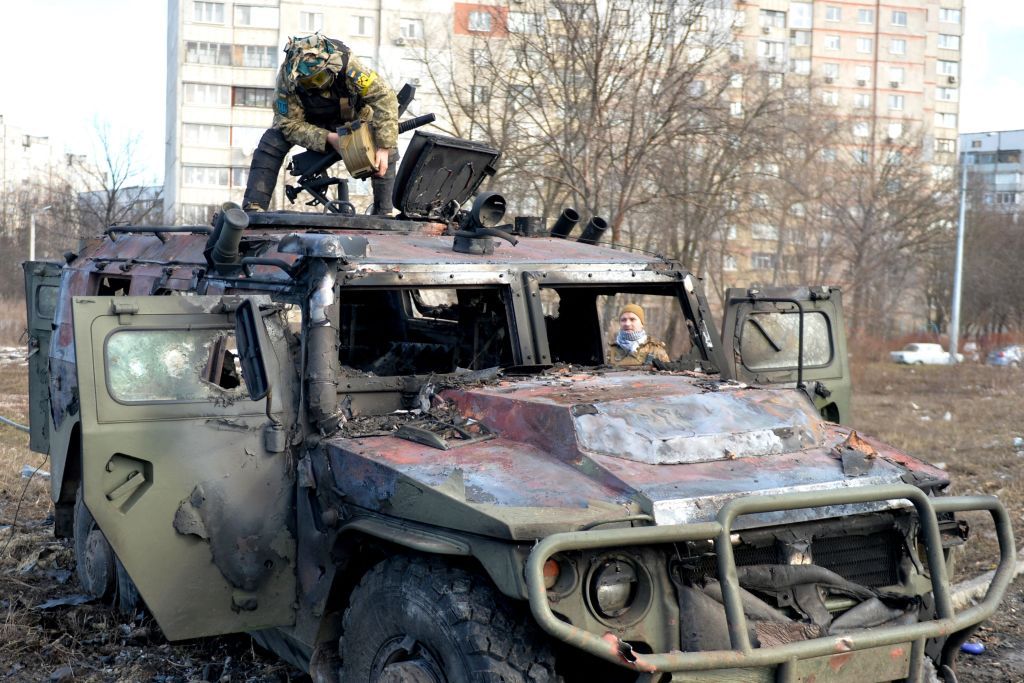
(185, 474)
(42, 285)
(761, 340)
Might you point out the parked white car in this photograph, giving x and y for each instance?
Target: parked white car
(923, 354)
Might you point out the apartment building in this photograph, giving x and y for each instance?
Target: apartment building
(891, 70)
(222, 60)
(993, 162)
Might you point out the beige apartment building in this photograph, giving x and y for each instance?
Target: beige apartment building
(222, 60)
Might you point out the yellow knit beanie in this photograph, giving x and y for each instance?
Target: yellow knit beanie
(635, 310)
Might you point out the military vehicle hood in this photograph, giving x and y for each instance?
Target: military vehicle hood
(589, 447)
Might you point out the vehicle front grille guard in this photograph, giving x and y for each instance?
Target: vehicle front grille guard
(743, 655)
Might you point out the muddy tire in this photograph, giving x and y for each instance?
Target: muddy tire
(94, 558)
(127, 600)
(415, 620)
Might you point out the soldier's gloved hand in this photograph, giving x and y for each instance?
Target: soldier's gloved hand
(382, 162)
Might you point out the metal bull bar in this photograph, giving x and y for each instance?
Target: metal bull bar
(743, 655)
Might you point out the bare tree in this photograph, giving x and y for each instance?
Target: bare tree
(115, 187)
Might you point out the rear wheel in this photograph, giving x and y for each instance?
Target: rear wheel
(414, 620)
(94, 558)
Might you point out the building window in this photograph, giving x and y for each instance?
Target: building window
(759, 200)
(833, 13)
(197, 214)
(255, 16)
(800, 66)
(207, 53)
(830, 98)
(947, 94)
(772, 18)
(899, 18)
(945, 145)
(944, 120)
(263, 56)
(897, 46)
(949, 42)
(736, 109)
(798, 210)
(311, 21)
(862, 73)
(771, 49)
(949, 16)
(478, 56)
(208, 12)
(896, 74)
(828, 154)
(860, 155)
(830, 71)
(736, 50)
(801, 15)
(363, 26)
(239, 176)
(861, 101)
(411, 28)
(480, 21)
(861, 129)
(252, 97)
(735, 81)
(774, 81)
(205, 135)
(204, 176)
(896, 102)
(729, 263)
(762, 261)
(698, 88)
(525, 22)
(894, 131)
(865, 16)
(831, 42)
(246, 138)
(864, 45)
(480, 94)
(764, 231)
(207, 94)
(800, 38)
(946, 68)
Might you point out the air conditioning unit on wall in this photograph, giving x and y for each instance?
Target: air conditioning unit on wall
(400, 41)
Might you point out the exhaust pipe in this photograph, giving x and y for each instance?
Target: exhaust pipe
(226, 237)
(566, 223)
(594, 230)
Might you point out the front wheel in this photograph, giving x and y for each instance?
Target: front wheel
(94, 558)
(421, 621)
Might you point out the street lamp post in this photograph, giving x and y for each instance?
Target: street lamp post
(32, 231)
(954, 323)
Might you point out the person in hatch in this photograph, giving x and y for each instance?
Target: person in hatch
(632, 346)
(321, 86)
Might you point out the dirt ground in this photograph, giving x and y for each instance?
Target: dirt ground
(964, 417)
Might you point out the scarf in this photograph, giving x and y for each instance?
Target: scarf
(630, 341)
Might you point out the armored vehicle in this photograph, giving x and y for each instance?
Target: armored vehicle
(391, 449)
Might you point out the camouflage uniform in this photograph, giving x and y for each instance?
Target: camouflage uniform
(648, 352)
(305, 118)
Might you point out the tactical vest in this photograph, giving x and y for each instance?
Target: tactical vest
(324, 111)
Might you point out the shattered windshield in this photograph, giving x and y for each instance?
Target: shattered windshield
(173, 365)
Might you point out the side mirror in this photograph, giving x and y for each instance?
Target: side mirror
(251, 336)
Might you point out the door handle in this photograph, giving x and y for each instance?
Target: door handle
(131, 484)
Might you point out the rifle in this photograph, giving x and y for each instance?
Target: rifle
(311, 167)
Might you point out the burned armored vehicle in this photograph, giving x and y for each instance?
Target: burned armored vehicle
(391, 449)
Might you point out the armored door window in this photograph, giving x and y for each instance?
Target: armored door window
(770, 340)
(173, 366)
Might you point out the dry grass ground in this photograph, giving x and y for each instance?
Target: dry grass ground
(904, 406)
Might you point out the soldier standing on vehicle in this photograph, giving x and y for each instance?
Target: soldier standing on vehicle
(632, 346)
(321, 86)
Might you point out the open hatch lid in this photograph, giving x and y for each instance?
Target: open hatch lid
(438, 170)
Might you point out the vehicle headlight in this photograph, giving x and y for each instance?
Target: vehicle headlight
(613, 587)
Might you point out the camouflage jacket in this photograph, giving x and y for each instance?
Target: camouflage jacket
(377, 103)
(648, 351)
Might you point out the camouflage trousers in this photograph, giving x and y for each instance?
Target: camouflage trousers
(266, 166)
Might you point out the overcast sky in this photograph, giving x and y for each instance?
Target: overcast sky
(71, 63)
